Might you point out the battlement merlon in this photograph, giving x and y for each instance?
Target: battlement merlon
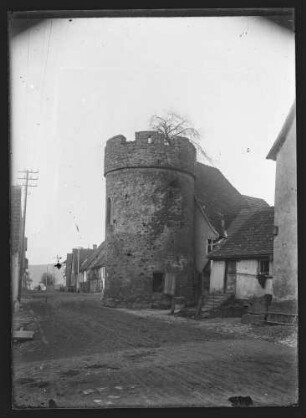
(149, 150)
(116, 140)
(148, 137)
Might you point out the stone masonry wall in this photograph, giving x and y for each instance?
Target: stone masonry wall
(150, 190)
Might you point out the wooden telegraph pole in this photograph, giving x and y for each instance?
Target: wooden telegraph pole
(26, 185)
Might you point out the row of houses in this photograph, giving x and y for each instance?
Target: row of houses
(241, 245)
(85, 269)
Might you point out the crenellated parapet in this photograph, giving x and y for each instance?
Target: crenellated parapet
(150, 149)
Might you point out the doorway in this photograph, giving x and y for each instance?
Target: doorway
(229, 285)
(158, 282)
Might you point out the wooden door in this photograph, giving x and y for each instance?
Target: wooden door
(230, 277)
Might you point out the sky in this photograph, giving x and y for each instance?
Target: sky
(75, 83)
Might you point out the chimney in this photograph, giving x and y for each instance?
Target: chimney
(94, 246)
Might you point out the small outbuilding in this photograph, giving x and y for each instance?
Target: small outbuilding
(242, 265)
(220, 210)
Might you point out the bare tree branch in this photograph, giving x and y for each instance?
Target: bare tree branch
(172, 125)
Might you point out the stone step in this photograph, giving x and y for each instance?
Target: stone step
(215, 301)
(212, 302)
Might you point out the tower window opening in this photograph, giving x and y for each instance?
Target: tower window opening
(158, 282)
(150, 140)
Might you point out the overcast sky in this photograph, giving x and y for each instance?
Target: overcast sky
(76, 83)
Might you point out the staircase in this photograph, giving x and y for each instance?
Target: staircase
(214, 301)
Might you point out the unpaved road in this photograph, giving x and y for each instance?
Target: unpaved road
(85, 355)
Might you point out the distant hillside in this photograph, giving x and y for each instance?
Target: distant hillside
(37, 270)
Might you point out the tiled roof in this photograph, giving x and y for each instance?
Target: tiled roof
(79, 256)
(15, 217)
(240, 219)
(99, 261)
(92, 259)
(218, 197)
(253, 239)
(255, 202)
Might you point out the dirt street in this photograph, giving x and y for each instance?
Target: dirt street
(86, 355)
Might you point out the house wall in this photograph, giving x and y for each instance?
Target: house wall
(73, 279)
(95, 281)
(285, 243)
(217, 276)
(202, 231)
(15, 239)
(102, 276)
(14, 275)
(247, 284)
(68, 270)
(151, 189)
(80, 278)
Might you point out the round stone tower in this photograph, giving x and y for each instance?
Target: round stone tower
(149, 217)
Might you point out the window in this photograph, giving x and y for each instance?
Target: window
(149, 140)
(211, 244)
(263, 267)
(158, 282)
(102, 272)
(108, 211)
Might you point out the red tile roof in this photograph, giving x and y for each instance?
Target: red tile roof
(252, 240)
(240, 219)
(255, 202)
(79, 256)
(96, 260)
(100, 260)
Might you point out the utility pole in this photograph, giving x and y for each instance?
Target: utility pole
(26, 185)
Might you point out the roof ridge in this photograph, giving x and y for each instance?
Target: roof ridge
(281, 137)
(94, 257)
